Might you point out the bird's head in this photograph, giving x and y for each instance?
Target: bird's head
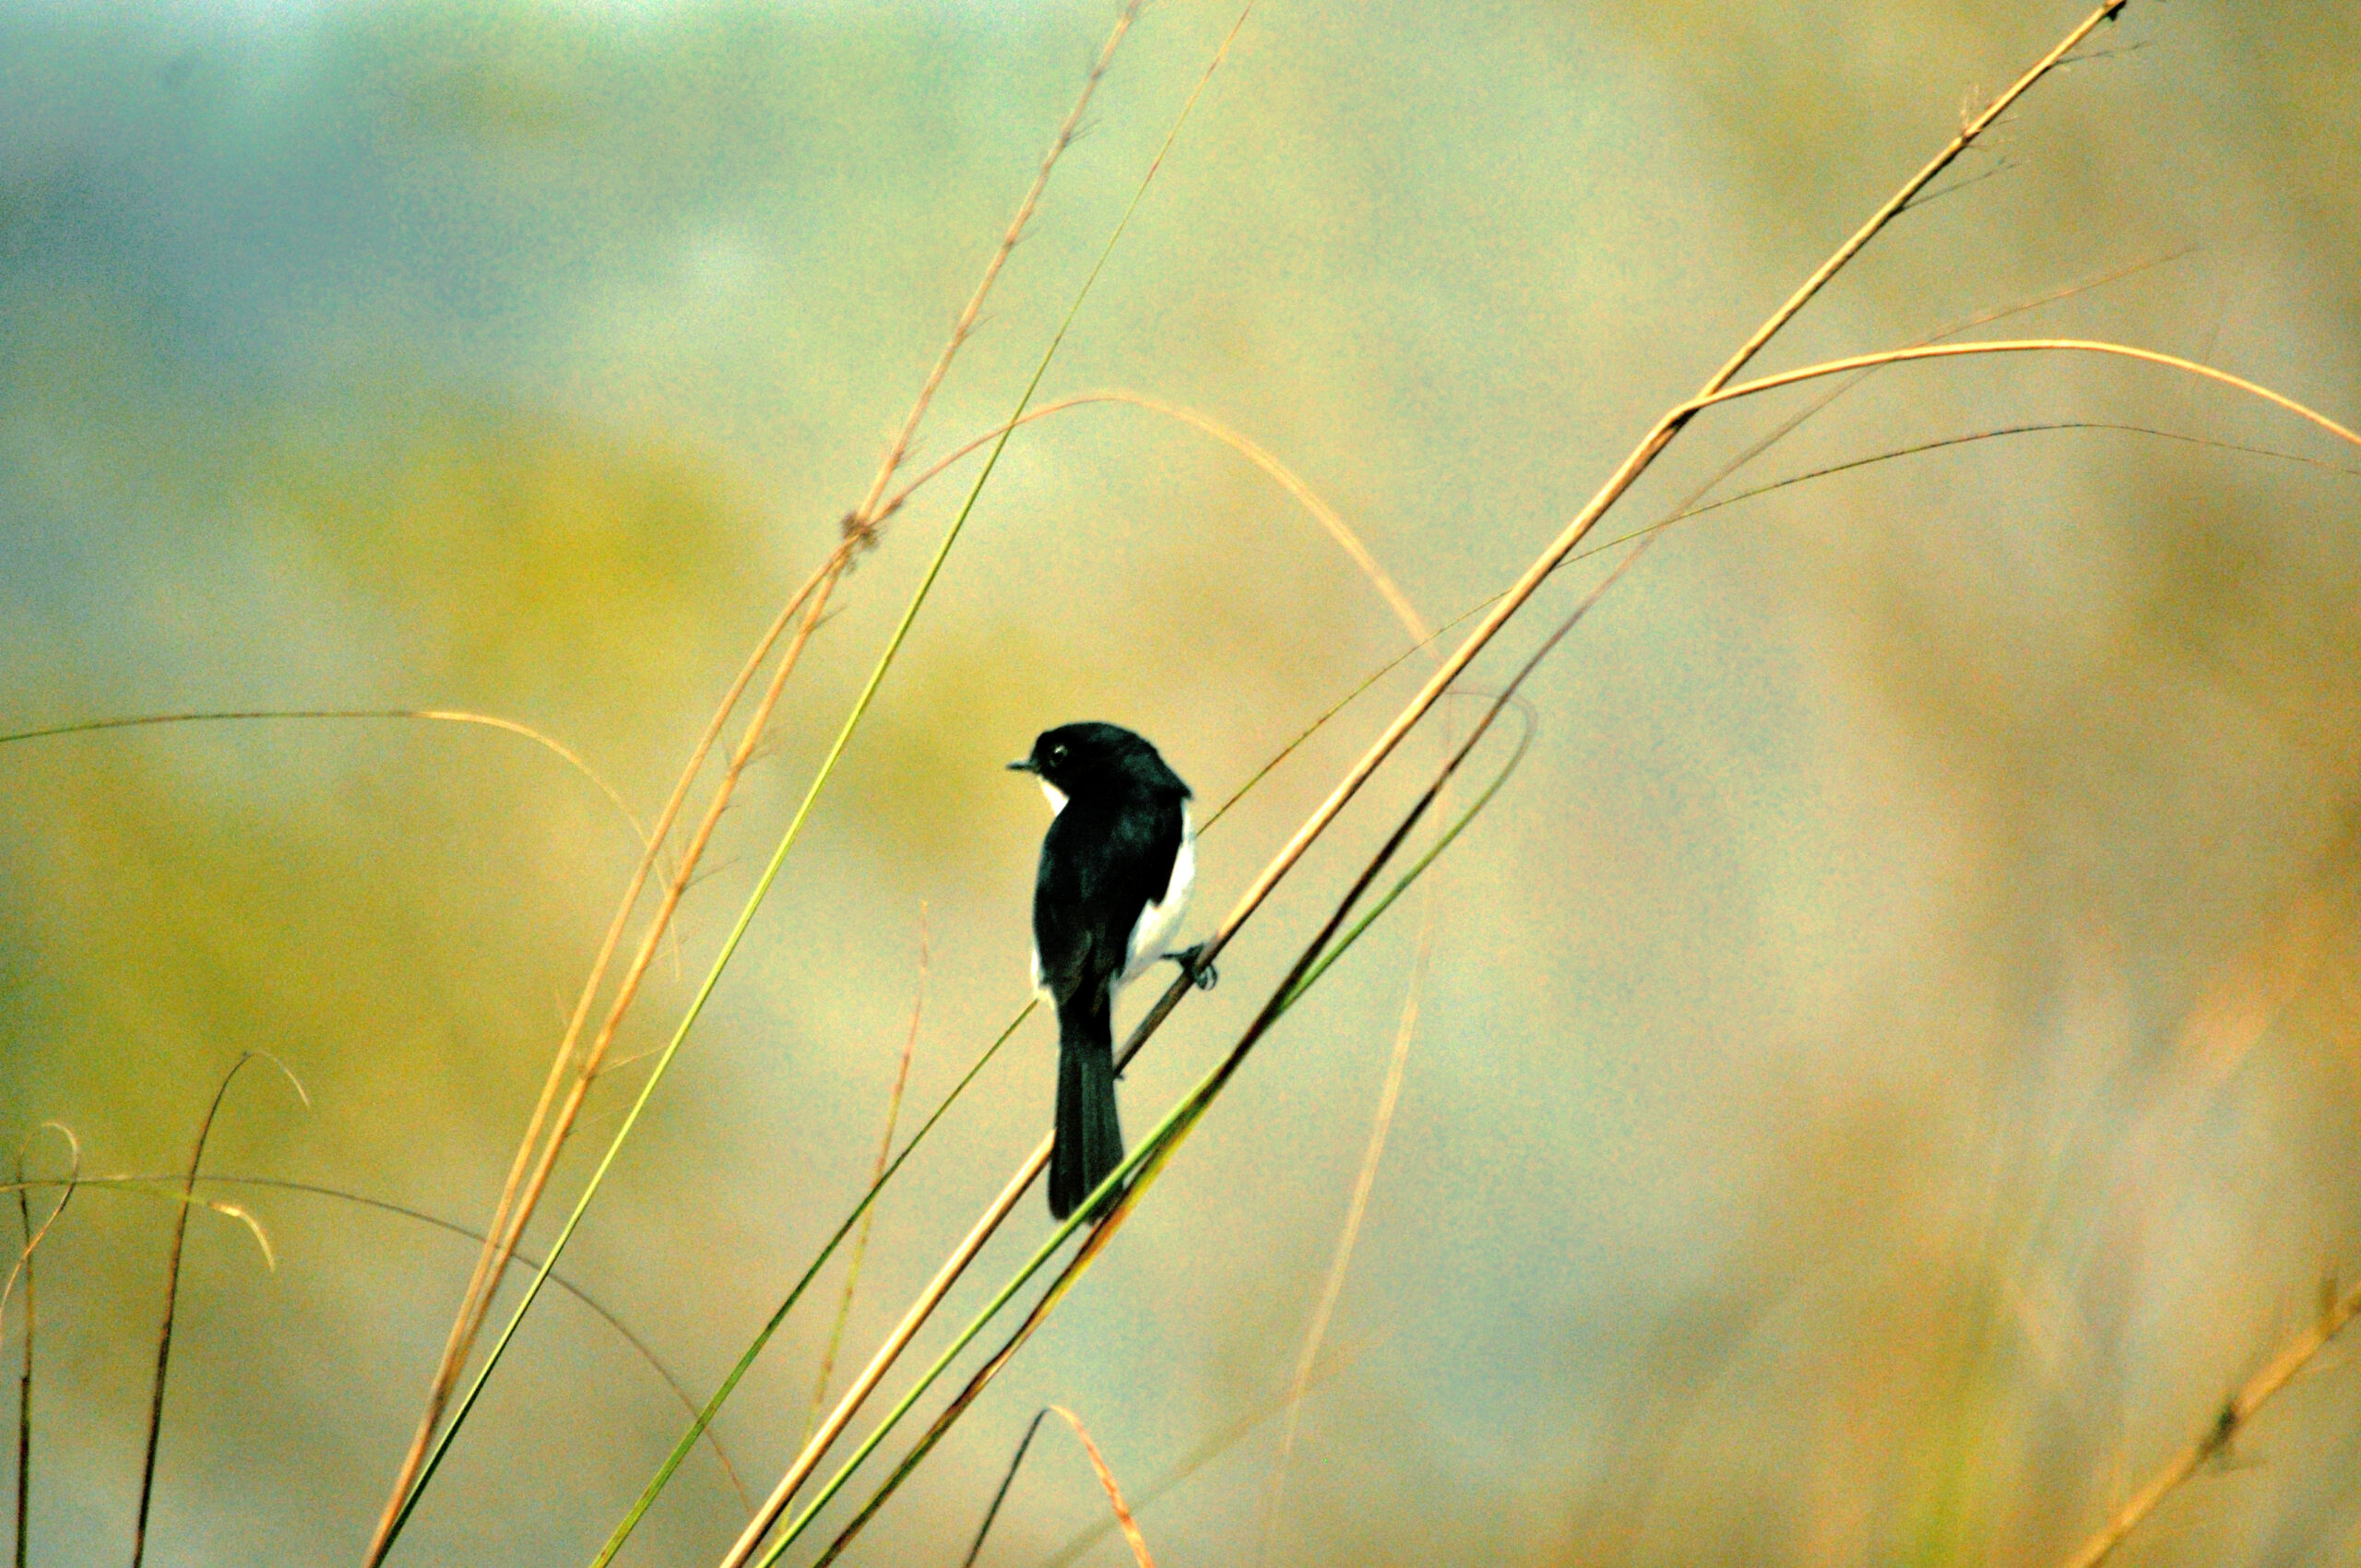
(1097, 759)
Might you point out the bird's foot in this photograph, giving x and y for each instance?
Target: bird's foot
(1200, 972)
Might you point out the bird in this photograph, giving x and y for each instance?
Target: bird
(1118, 863)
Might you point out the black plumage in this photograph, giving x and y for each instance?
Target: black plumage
(1117, 865)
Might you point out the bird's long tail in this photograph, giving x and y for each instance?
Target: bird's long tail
(1090, 1136)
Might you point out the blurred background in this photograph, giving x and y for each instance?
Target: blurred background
(1886, 1069)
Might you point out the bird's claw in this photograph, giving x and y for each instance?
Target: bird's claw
(1200, 972)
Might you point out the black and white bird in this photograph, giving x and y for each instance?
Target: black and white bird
(1117, 865)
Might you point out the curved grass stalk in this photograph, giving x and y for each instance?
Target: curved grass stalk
(2336, 1313)
(1121, 1510)
(1205, 1452)
(1975, 128)
(172, 1289)
(1510, 603)
(1105, 1474)
(2006, 346)
(876, 1179)
(1625, 475)
(861, 532)
(863, 1206)
(1144, 1163)
(704, 1417)
(527, 1178)
(34, 1236)
(597, 1309)
(893, 646)
(1327, 517)
(1918, 448)
(1381, 1121)
(438, 715)
(1619, 482)
(1356, 1208)
(1330, 519)
(137, 1185)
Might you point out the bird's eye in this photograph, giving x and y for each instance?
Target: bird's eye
(1056, 754)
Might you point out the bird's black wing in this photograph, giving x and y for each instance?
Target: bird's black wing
(1102, 862)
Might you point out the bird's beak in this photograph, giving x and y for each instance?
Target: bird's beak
(1023, 765)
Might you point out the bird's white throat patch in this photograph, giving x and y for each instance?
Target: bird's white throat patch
(1057, 797)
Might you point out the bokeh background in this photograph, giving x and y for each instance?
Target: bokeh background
(1887, 1066)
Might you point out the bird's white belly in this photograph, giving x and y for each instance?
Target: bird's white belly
(1160, 922)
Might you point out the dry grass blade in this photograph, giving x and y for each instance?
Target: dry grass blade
(137, 1186)
(1114, 1494)
(859, 532)
(876, 1179)
(1253, 451)
(640, 1347)
(870, 512)
(34, 1236)
(1625, 475)
(586, 1300)
(1355, 1211)
(1204, 1453)
(861, 1208)
(918, 1314)
(1694, 503)
(2008, 346)
(1974, 128)
(597, 1309)
(133, 1185)
(2036, 428)
(435, 715)
(751, 1539)
(509, 1214)
(746, 1359)
(1119, 1194)
(2227, 1423)
(1919, 448)
(173, 1288)
(999, 1496)
(1694, 506)
(1617, 483)
(1093, 1244)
